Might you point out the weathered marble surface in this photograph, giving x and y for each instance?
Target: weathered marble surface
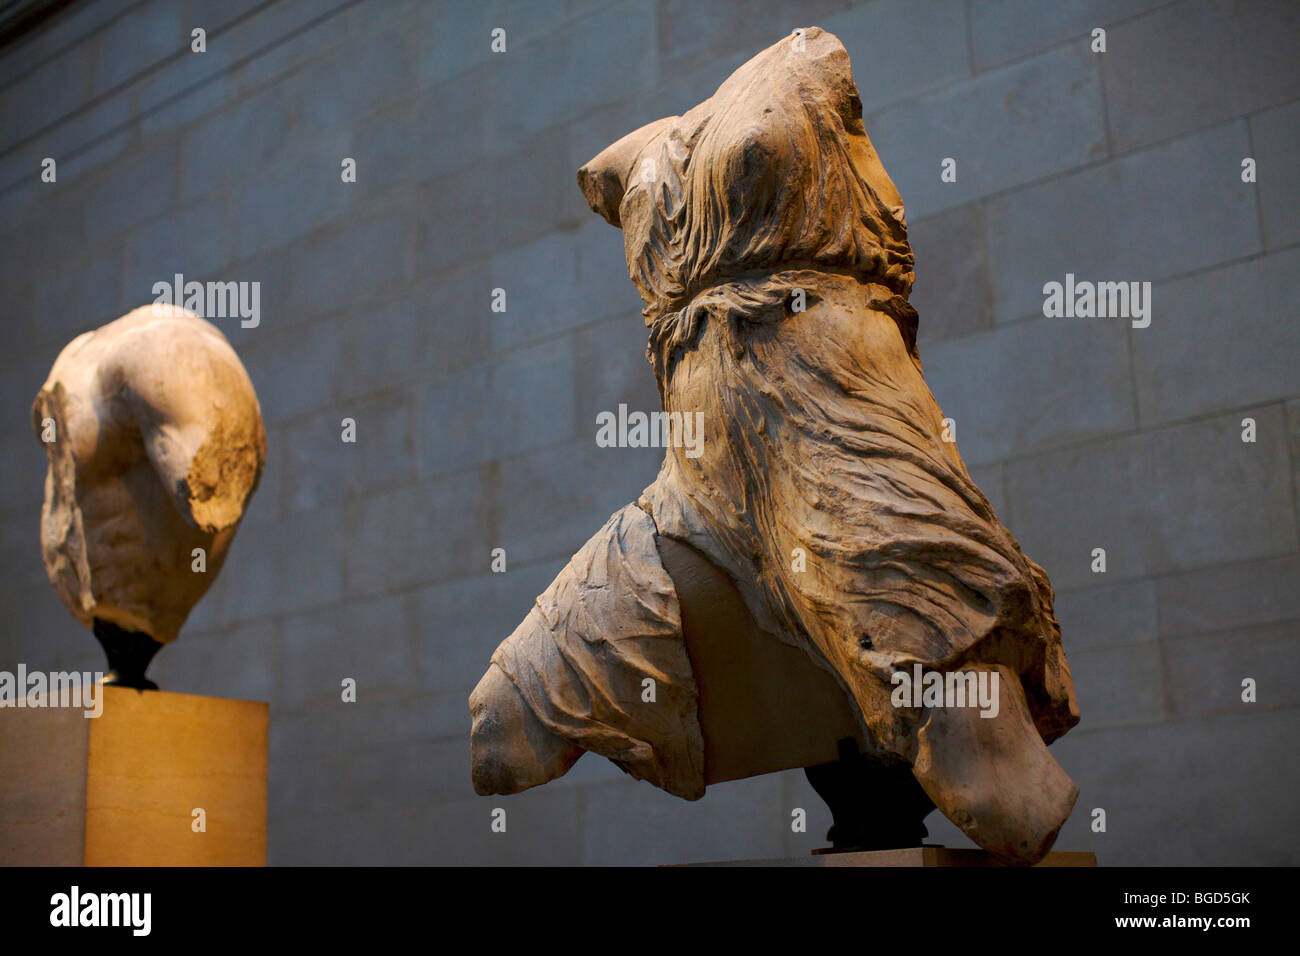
(770, 247)
(158, 444)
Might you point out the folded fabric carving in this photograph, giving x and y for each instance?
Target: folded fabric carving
(771, 250)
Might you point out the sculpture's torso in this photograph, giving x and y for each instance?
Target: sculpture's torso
(770, 247)
(115, 542)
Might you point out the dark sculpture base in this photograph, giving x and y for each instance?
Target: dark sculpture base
(873, 807)
(129, 654)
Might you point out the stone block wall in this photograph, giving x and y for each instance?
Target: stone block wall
(476, 429)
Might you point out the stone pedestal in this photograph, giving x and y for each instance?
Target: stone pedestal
(122, 789)
(923, 856)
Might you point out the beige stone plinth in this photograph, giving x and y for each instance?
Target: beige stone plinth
(121, 789)
(912, 856)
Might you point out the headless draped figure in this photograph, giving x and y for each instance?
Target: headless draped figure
(824, 538)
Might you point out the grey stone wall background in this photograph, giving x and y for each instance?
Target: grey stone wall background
(476, 429)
